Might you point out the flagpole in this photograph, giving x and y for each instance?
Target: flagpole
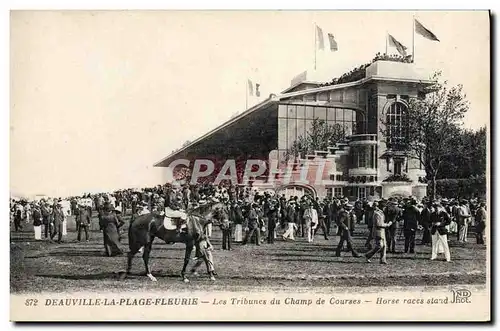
(246, 94)
(386, 37)
(413, 40)
(315, 43)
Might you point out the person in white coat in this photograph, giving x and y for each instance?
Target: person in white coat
(311, 220)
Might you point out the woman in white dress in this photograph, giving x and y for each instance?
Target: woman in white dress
(440, 220)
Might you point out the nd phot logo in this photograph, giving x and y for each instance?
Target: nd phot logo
(461, 296)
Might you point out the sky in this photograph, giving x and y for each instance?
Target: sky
(96, 98)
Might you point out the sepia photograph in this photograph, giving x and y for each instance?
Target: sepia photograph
(271, 165)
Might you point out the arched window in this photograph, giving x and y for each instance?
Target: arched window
(397, 126)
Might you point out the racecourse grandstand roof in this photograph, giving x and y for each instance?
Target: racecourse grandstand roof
(254, 132)
(259, 126)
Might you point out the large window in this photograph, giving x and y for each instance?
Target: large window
(334, 192)
(295, 120)
(397, 126)
(361, 157)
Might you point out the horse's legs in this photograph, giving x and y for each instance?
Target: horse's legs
(187, 256)
(199, 261)
(145, 257)
(130, 257)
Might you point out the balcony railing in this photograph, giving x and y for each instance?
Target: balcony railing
(363, 137)
(366, 171)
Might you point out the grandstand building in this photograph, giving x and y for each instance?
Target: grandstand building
(366, 103)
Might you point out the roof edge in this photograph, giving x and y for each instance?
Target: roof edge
(351, 84)
(263, 103)
(301, 83)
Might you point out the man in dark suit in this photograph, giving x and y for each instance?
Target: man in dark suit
(45, 209)
(425, 222)
(392, 213)
(18, 216)
(328, 212)
(253, 225)
(345, 221)
(226, 226)
(369, 223)
(83, 220)
(321, 224)
(272, 220)
(411, 217)
(480, 225)
(57, 219)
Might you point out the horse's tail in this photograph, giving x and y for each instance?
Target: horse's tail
(135, 229)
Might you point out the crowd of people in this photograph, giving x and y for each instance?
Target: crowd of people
(253, 217)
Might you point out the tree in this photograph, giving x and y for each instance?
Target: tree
(469, 155)
(318, 138)
(432, 125)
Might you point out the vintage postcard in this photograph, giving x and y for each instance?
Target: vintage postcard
(250, 166)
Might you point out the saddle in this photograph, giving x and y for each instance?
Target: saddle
(175, 220)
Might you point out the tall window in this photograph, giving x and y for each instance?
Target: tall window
(397, 126)
(398, 166)
(360, 157)
(361, 192)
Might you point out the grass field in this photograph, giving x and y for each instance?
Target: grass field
(38, 266)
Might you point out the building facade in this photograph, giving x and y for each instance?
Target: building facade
(370, 106)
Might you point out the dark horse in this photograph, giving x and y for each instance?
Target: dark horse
(145, 228)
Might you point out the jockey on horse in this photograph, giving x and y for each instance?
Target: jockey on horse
(174, 224)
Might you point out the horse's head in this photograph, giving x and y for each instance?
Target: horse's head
(207, 212)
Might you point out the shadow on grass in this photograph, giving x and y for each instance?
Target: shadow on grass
(117, 275)
(96, 253)
(98, 276)
(326, 259)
